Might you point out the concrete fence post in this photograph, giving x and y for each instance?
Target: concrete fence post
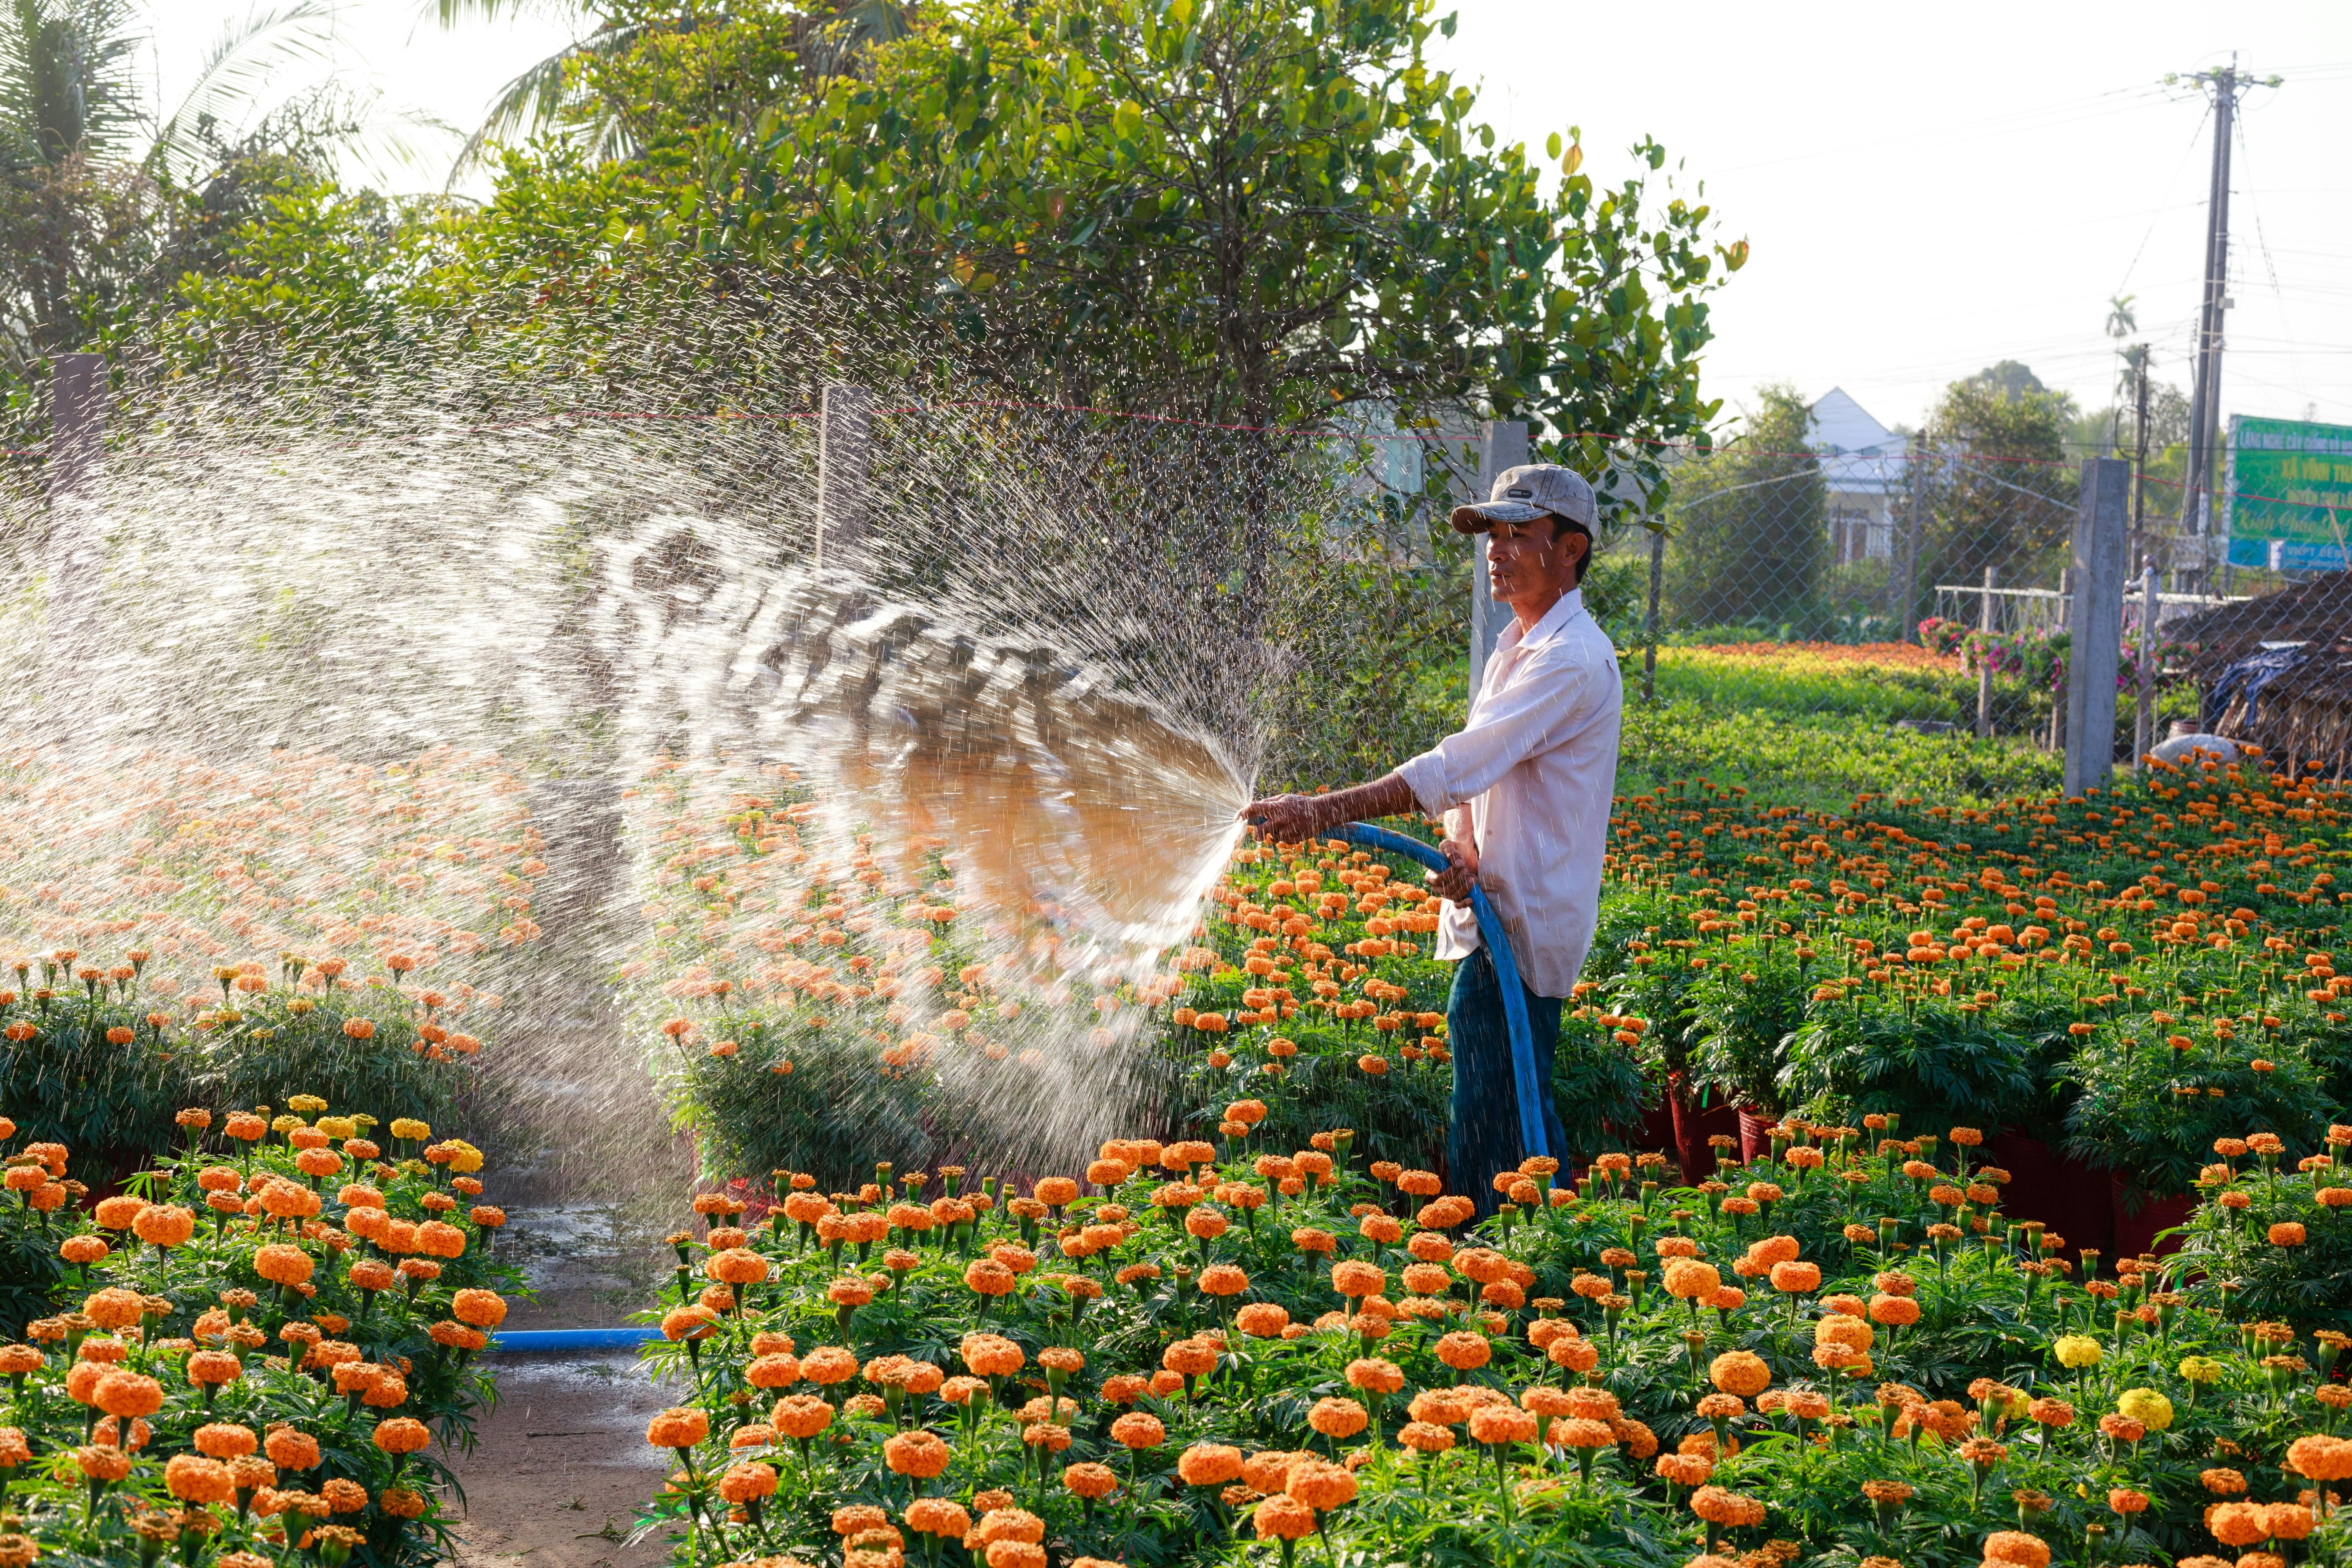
(1502, 446)
(2101, 539)
(77, 562)
(1649, 621)
(845, 438)
(2144, 720)
(1984, 661)
(1903, 571)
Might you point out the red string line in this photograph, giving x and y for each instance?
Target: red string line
(38, 454)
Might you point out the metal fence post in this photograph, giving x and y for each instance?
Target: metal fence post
(844, 443)
(1903, 597)
(2101, 539)
(75, 556)
(1502, 445)
(2063, 611)
(1650, 622)
(1984, 661)
(2144, 721)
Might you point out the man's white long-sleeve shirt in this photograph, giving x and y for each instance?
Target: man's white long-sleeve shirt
(1537, 764)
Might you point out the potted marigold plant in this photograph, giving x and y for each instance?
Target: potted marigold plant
(2159, 1091)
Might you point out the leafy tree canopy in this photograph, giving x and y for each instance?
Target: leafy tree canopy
(1255, 210)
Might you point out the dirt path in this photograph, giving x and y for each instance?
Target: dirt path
(562, 1466)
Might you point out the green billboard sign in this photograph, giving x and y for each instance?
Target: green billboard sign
(2286, 503)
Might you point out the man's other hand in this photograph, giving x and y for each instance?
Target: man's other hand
(1286, 818)
(1461, 872)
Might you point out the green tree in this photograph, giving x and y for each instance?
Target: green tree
(549, 96)
(1253, 210)
(2001, 490)
(1747, 527)
(95, 178)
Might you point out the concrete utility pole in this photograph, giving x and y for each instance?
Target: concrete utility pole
(2144, 719)
(2094, 646)
(2067, 576)
(1502, 445)
(2225, 86)
(2139, 456)
(1649, 621)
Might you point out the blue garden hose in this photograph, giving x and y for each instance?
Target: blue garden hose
(572, 1339)
(1515, 1016)
(1506, 975)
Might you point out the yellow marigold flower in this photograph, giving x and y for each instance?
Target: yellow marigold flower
(2076, 1351)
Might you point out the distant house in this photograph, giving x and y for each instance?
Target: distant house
(1864, 475)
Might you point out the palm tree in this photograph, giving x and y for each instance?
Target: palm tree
(2122, 323)
(545, 95)
(86, 154)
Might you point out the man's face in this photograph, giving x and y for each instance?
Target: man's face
(1529, 559)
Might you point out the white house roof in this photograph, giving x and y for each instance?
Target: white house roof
(1858, 453)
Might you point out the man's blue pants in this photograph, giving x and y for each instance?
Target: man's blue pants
(1484, 1135)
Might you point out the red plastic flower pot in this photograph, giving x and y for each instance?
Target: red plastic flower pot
(2135, 1231)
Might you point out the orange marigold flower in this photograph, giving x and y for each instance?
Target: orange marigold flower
(1337, 1418)
(1320, 1485)
(680, 1426)
(1209, 1465)
(1742, 1373)
(2016, 1548)
(402, 1435)
(1283, 1517)
(1727, 1509)
(1138, 1430)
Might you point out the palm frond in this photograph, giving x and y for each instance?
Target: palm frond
(68, 82)
(453, 14)
(236, 74)
(541, 98)
(359, 134)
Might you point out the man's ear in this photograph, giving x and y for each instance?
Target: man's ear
(1580, 554)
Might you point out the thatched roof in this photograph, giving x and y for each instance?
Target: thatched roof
(2316, 611)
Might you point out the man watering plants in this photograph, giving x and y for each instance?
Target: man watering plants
(1523, 790)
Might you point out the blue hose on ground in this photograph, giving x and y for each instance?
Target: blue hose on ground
(1515, 1015)
(1507, 973)
(573, 1339)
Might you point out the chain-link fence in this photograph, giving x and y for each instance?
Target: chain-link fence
(1826, 624)
(1894, 619)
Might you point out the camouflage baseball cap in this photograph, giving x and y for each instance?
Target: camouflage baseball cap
(1530, 492)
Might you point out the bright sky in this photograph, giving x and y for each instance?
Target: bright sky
(1928, 190)
(1924, 191)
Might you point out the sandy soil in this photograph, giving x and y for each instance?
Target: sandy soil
(561, 1466)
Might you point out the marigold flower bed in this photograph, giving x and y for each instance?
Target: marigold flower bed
(1871, 655)
(181, 932)
(1138, 1367)
(2124, 977)
(1242, 1352)
(245, 1357)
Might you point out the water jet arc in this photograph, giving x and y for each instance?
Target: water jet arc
(1507, 976)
